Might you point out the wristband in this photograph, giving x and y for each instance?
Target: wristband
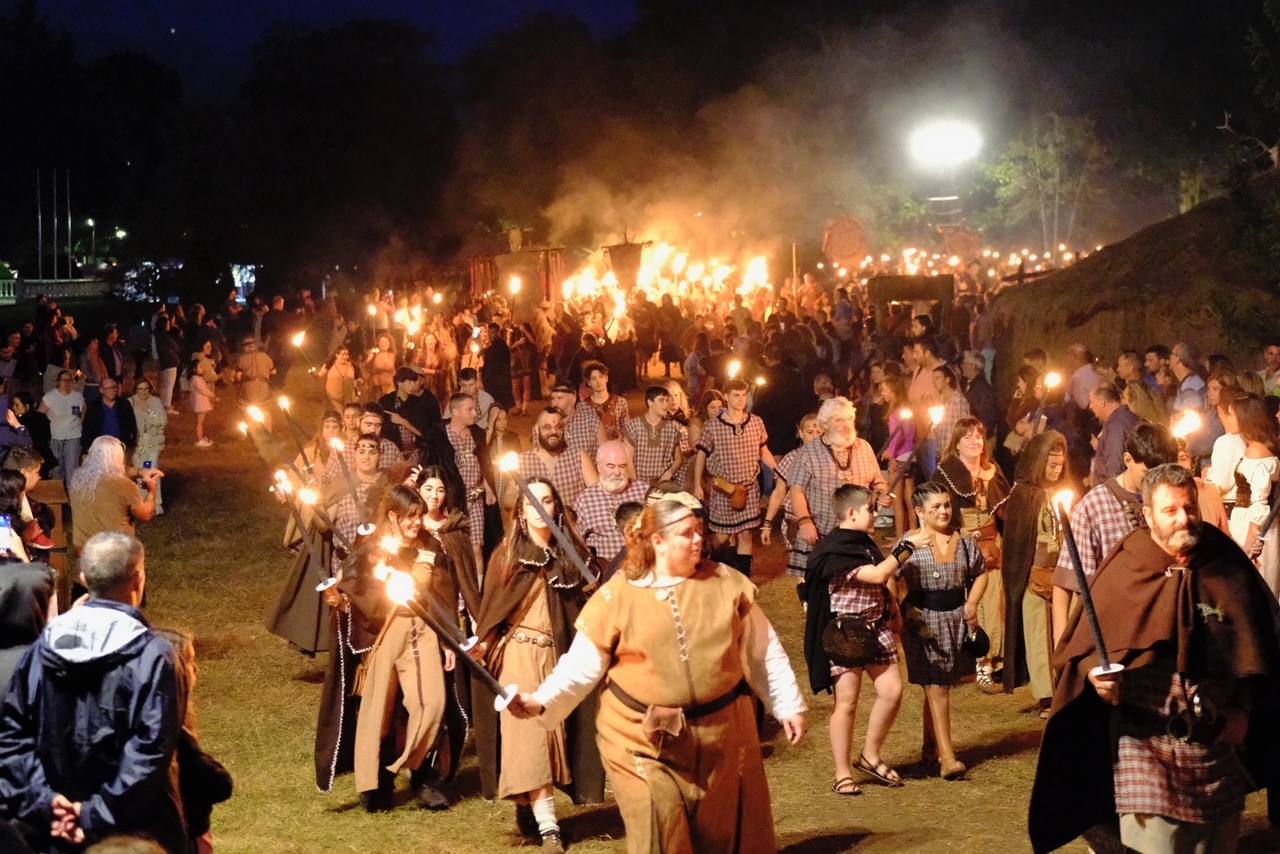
(804, 519)
(904, 546)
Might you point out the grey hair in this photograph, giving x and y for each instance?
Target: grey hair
(108, 560)
(975, 358)
(832, 407)
(1171, 475)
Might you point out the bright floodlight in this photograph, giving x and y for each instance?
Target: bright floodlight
(944, 143)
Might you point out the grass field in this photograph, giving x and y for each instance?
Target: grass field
(215, 566)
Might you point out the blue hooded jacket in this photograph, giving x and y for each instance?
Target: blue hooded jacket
(92, 714)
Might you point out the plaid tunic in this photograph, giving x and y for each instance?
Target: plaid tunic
(614, 409)
(580, 430)
(595, 508)
(346, 514)
(1099, 522)
(1159, 775)
(733, 453)
(814, 470)
(941, 660)
(464, 454)
(565, 474)
(655, 449)
(388, 454)
(869, 601)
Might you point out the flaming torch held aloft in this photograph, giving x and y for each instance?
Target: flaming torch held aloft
(1186, 424)
(1052, 380)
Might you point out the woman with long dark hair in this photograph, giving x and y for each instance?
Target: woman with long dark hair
(533, 593)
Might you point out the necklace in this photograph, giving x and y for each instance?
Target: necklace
(848, 460)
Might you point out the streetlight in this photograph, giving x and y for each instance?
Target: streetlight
(121, 234)
(944, 144)
(93, 240)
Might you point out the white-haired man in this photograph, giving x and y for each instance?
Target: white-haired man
(816, 470)
(596, 505)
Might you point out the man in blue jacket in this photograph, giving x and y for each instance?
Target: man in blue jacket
(89, 727)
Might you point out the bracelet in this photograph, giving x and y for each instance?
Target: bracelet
(767, 523)
(804, 519)
(904, 546)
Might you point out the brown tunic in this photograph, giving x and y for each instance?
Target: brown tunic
(705, 789)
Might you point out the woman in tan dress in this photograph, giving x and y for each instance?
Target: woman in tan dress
(683, 645)
(532, 596)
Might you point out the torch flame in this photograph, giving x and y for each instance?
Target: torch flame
(244, 428)
(1052, 380)
(282, 482)
(936, 413)
(1189, 422)
(437, 298)
(337, 444)
(1063, 499)
(475, 347)
(308, 496)
(509, 462)
(735, 367)
(515, 284)
(760, 381)
(400, 587)
(905, 413)
(389, 544)
(381, 571)
(283, 402)
(255, 412)
(373, 310)
(299, 338)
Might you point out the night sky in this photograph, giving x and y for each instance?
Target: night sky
(208, 41)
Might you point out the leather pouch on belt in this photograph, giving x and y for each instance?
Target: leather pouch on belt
(661, 722)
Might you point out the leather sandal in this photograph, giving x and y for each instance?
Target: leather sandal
(847, 787)
(881, 771)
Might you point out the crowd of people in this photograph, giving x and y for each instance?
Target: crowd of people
(585, 563)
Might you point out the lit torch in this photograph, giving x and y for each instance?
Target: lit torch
(1187, 423)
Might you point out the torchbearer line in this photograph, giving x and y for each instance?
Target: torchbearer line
(295, 431)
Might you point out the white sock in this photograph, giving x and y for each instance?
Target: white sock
(544, 812)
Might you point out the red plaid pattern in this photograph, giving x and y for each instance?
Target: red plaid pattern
(1159, 775)
(816, 473)
(1099, 523)
(595, 508)
(655, 449)
(869, 601)
(464, 454)
(614, 412)
(346, 516)
(388, 454)
(733, 453)
(565, 475)
(580, 431)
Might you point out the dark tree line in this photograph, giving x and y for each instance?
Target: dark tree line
(343, 141)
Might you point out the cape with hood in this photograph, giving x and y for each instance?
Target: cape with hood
(834, 555)
(1021, 514)
(92, 714)
(1217, 617)
(565, 598)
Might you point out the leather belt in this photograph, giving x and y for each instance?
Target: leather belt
(521, 636)
(937, 600)
(698, 710)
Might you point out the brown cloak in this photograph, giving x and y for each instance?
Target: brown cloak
(565, 598)
(1218, 617)
(1021, 514)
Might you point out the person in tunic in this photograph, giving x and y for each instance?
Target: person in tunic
(380, 368)
(533, 594)
(551, 459)
(977, 488)
(595, 506)
(944, 581)
(1032, 542)
(780, 501)
(1168, 748)
(848, 575)
(252, 373)
(407, 663)
(471, 455)
(670, 613)
(838, 457)
(730, 451)
(660, 444)
(340, 377)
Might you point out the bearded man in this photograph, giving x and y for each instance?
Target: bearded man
(817, 469)
(550, 457)
(1190, 728)
(596, 505)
